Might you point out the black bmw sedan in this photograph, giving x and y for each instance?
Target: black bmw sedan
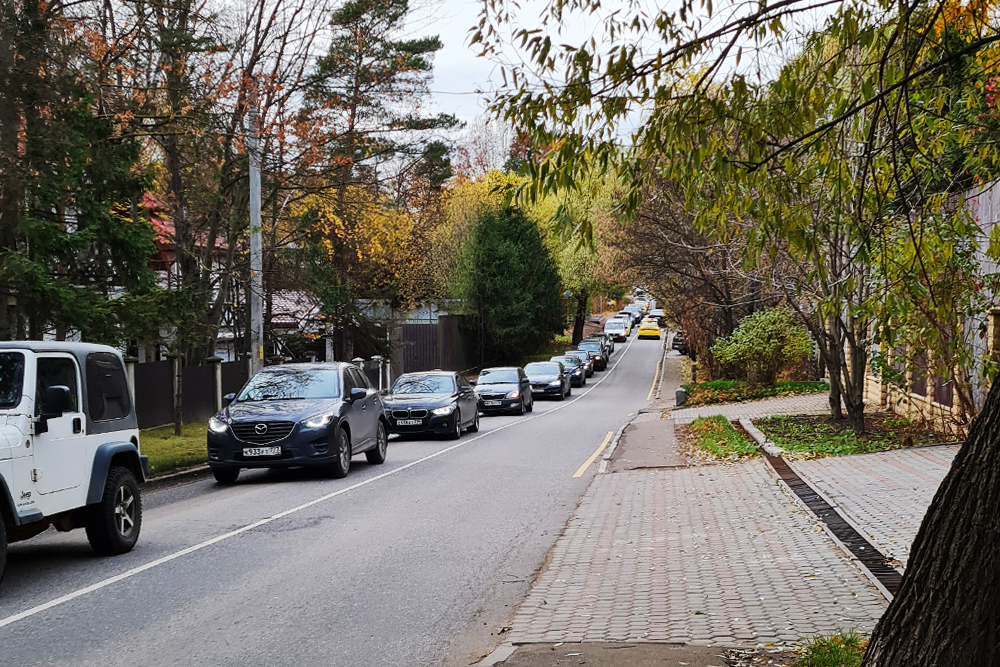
(504, 390)
(441, 402)
(318, 415)
(548, 379)
(576, 368)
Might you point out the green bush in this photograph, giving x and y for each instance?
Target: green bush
(842, 650)
(763, 344)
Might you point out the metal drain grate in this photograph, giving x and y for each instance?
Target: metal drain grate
(862, 549)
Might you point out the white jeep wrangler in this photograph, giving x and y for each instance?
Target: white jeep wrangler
(69, 445)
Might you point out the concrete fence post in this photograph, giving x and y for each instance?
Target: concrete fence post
(130, 363)
(178, 384)
(216, 381)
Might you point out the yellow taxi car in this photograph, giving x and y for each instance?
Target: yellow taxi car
(649, 328)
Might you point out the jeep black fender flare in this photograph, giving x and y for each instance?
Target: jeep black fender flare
(8, 512)
(121, 453)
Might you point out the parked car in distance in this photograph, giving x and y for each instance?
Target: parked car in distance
(69, 445)
(577, 369)
(607, 342)
(649, 328)
(441, 402)
(586, 358)
(505, 389)
(594, 346)
(312, 414)
(548, 379)
(617, 329)
(679, 343)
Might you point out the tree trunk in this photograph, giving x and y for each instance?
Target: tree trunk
(947, 609)
(582, 311)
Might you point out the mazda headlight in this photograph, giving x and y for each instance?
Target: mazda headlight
(446, 410)
(216, 425)
(513, 394)
(319, 421)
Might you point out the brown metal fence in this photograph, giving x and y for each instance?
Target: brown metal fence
(154, 394)
(197, 393)
(234, 376)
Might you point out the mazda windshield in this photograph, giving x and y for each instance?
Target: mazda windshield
(288, 384)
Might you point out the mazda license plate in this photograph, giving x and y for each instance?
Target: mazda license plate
(491, 403)
(409, 422)
(262, 451)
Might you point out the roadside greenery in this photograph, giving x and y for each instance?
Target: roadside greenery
(820, 436)
(716, 436)
(737, 391)
(841, 650)
(168, 452)
(558, 345)
(763, 344)
(508, 282)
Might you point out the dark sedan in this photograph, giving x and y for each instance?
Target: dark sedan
(504, 390)
(576, 369)
(605, 339)
(586, 357)
(298, 415)
(440, 402)
(594, 347)
(548, 379)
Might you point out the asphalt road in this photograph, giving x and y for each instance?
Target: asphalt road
(420, 561)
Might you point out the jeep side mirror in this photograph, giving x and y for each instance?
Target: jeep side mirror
(56, 401)
(357, 394)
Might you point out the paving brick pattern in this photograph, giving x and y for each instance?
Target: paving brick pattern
(714, 555)
(885, 494)
(809, 404)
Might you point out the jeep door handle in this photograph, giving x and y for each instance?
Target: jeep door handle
(77, 426)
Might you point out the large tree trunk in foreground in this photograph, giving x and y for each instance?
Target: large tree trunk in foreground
(947, 611)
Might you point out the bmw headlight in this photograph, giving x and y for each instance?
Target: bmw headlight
(446, 410)
(216, 425)
(555, 383)
(319, 421)
(513, 394)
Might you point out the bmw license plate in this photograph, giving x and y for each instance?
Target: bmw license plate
(409, 422)
(491, 403)
(262, 451)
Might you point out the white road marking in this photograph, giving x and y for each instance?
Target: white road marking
(69, 597)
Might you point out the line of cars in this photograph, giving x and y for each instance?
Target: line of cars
(320, 415)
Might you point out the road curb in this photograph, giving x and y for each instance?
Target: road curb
(611, 448)
(177, 478)
(767, 445)
(498, 655)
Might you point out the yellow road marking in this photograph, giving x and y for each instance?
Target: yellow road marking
(593, 457)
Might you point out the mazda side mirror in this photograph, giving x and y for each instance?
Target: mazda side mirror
(473, 382)
(229, 398)
(357, 394)
(383, 392)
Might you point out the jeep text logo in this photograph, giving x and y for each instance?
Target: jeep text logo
(25, 495)
(260, 429)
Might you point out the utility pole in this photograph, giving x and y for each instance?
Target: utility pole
(256, 250)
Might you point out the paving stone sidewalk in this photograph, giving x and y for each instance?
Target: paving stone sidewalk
(809, 404)
(714, 555)
(885, 494)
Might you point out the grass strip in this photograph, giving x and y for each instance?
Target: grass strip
(716, 436)
(822, 436)
(168, 452)
(845, 649)
(736, 391)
